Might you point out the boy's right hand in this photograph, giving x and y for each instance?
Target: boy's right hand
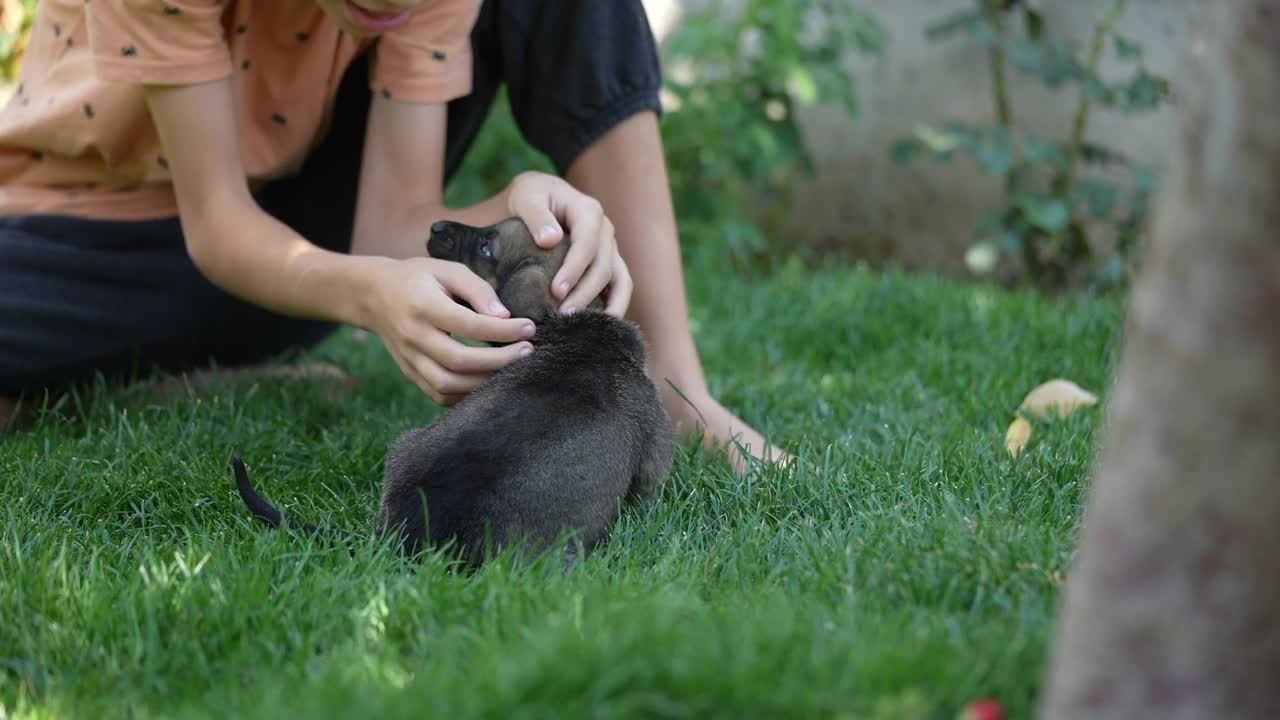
(414, 311)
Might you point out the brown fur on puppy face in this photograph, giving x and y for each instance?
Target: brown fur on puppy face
(506, 256)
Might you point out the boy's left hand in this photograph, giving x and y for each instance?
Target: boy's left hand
(593, 264)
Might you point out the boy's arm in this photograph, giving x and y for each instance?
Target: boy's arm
(249, 254)
(240, 248)
(402, 194)
(402, 181)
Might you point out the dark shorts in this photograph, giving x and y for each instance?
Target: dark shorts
(85, 297)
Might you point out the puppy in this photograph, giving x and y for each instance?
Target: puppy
(548, 447)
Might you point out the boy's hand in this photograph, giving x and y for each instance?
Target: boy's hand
(414, 312)
(593, 264)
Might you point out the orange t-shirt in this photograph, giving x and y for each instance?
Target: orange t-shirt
(76, 138)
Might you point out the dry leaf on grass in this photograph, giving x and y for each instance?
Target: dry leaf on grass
(1056, 397)
(11, 16)
(1017, 436)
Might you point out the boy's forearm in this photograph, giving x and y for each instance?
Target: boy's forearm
(232, 241)
(402, 232)
(255, 257)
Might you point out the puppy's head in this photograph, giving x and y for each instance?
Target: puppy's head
(505, 256)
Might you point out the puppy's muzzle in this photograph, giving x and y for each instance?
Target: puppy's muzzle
(443, 242)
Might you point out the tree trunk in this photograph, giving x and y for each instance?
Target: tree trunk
(1173, 610)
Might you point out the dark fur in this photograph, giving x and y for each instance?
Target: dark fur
(551, 444)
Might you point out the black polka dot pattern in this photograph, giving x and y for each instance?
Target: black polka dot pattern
(129, 51)
(57, 30)
(37, 155)
(162, 162)
(171, 10)
(88, 111)
(439, 56)
(386, 93)
(245, 65)
(303, 37)
(278, 119)
(242, 29)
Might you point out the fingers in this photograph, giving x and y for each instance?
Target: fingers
(592, 239)
(421, 314)
(457, 358)
(533, 205)
(460, 282)
(597, 277)
(444, 383)
(454, 318)
(447, 371)
(620, 289)
(411, 372)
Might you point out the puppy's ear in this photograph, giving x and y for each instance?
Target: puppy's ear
(527, 294)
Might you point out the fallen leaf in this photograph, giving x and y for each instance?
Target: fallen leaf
(1061, 397)
(1016, 437)
(11, 16)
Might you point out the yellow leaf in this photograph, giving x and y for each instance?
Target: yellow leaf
(802, 85)
(1059, 396)
(11, 15)
(1016, 437)
(1062, 396)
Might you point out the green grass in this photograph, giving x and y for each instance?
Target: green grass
(919, 569)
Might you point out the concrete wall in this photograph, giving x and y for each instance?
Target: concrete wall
(921, 216)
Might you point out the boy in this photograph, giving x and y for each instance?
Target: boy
(126, 150)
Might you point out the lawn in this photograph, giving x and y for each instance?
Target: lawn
(918, 568)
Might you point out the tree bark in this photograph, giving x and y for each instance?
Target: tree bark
(1173, 608)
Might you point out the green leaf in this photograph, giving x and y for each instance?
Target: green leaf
(1028, 57)
(1047, 213)
(1099, 154)
(994, 153)
(904, 151)
(1144, 181)
(1076, 247)
(1012, 241)
(1112, 273)
(942, 158)
(801, 85)
(766, 143)
(1097, 90)
(832, 83)
(1101, 197)
(1144, 92)
(1034, 23)
(1050, 62)
(990, 223)
(938, 141)
(1127, 49)
(1042, 152)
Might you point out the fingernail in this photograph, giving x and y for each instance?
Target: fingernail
(564, 286)
(569, 310)
(497, 308)
(526, 351)
(528, 329)
(547, 232)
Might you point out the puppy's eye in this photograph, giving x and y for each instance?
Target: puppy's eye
(485, 251)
